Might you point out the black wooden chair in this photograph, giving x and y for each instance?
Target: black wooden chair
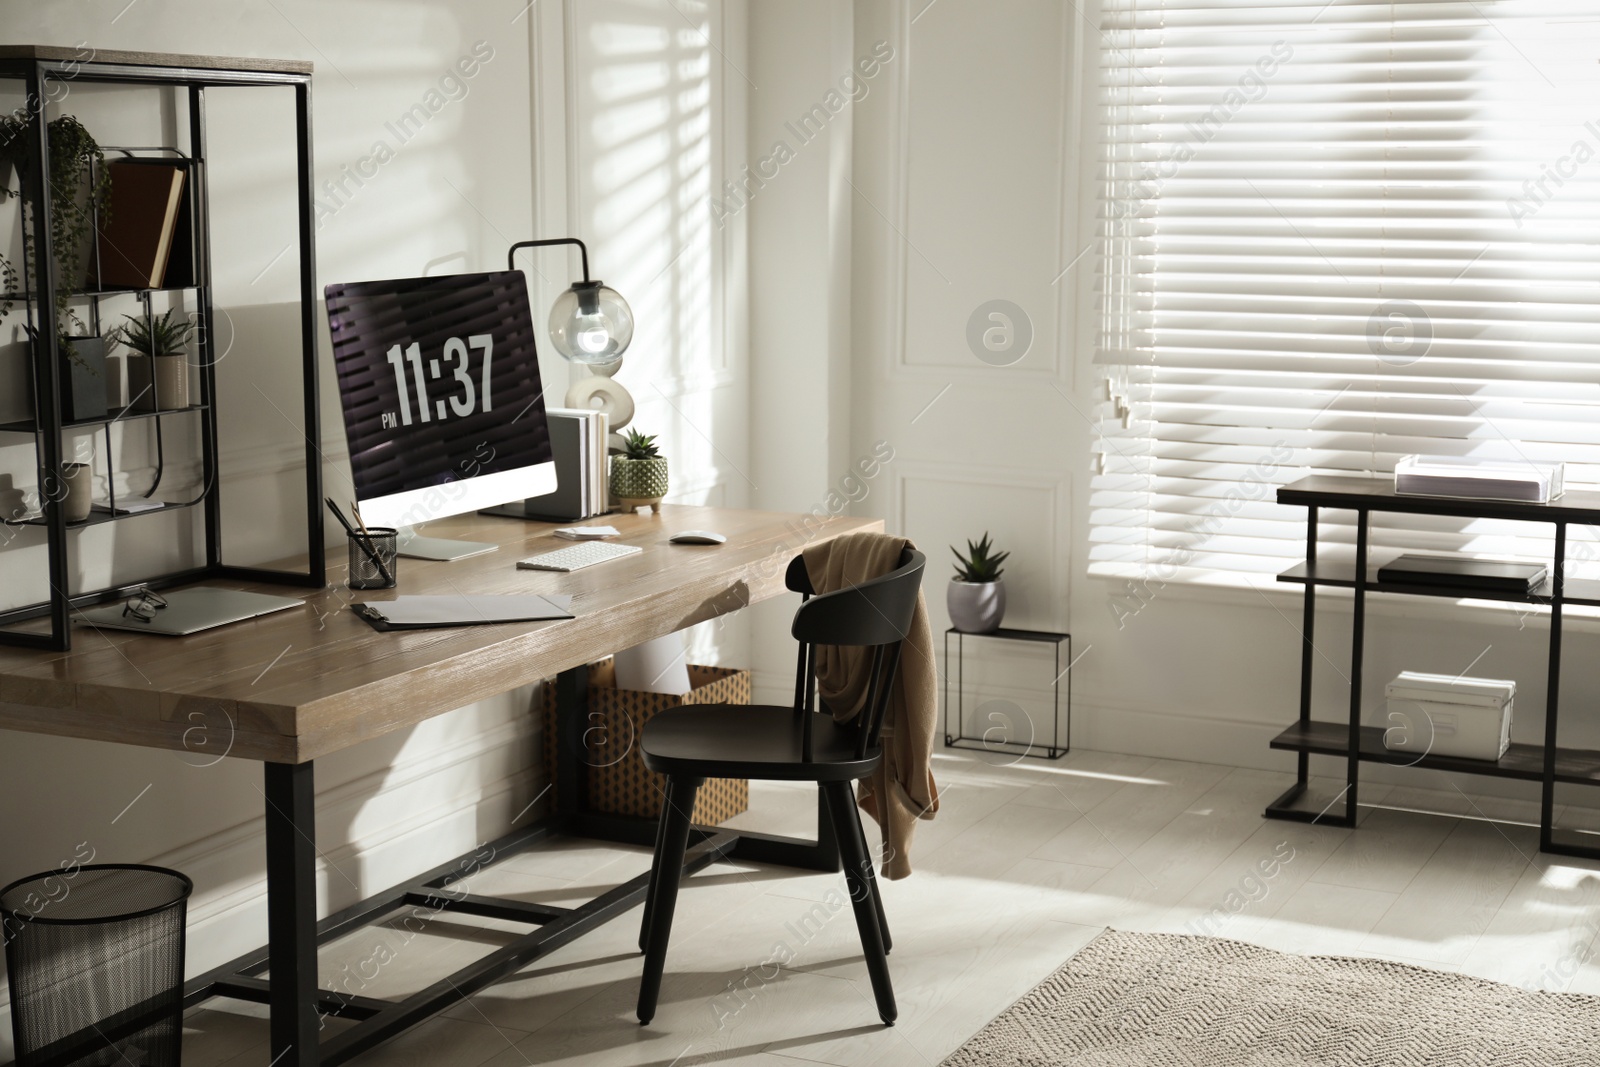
(798, 743)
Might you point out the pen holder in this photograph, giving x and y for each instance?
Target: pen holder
(364, 573)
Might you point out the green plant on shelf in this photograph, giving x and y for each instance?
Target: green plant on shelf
(80, 187)
(164, 336)
(979, 565)
(640, 446)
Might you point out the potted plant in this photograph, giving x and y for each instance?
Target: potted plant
(639, 474)
(976, 596)
(158, 369)
(79, 188)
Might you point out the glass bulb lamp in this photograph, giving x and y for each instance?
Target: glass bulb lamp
(590, 323)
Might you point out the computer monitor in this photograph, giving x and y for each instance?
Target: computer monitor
(443, 405)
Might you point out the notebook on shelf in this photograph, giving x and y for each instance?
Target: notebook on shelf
(1498, 575)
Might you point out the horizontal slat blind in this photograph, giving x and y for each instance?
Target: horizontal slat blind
(1333, 234)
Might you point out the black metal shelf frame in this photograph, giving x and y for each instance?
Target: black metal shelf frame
(1546, 763)
(46, 427)
(958, 739)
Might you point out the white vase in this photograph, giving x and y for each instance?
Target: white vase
(77, 484)
(976, 607)
(158, 384)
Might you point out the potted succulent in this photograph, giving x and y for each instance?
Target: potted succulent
(158, 369)
(976, 596)
(79, 188)
(639, 473)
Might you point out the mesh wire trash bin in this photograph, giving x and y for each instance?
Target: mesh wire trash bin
(97, 948)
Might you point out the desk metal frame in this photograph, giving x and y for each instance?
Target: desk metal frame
(298, 1005)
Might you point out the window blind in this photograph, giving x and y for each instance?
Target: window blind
(1333, 234)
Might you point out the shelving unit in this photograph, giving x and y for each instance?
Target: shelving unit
(1547, 763)
(42, 70)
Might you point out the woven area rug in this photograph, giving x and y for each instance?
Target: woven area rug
(1153, 1000)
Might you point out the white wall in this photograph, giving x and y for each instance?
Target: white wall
(605, 120)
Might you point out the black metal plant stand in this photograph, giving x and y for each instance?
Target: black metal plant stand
(1056, 749)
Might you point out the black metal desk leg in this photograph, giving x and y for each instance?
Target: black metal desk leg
(572, 704)
(292, 913)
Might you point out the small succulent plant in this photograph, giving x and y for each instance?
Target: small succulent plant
(981, 563)
(640, 446)
(164, 336)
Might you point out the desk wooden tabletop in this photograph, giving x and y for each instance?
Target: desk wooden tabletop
(311, 680)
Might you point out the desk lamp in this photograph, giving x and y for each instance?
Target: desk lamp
(592, 326)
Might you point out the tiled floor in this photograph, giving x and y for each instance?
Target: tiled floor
(1026, 862)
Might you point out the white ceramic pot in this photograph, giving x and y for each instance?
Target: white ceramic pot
(162, 380)
(78, 490)
(976, 607)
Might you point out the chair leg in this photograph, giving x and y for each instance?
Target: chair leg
(857, 872)
(655, 877)
(872, 876)
(674, 837)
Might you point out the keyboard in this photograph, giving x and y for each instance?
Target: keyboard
(586, 554)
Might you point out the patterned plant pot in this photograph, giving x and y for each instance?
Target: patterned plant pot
(636, 482)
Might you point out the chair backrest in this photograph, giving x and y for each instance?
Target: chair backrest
(877, 615)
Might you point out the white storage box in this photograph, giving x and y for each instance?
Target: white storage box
(1477, 479)
(1437, 714)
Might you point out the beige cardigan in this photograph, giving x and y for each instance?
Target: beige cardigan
(902, 789)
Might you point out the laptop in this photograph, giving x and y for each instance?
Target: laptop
(188, 611)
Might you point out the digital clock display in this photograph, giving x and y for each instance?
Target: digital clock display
(439, 379)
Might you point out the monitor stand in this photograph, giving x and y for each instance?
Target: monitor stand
(414, 546)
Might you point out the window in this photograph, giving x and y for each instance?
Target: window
(1333, 234)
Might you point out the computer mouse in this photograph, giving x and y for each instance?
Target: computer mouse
(697, 537)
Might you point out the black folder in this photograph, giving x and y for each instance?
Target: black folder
(1498, 575)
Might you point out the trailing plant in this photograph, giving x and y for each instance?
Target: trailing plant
(978, 565)
(164, 336)
(79, 190)
(638, 446)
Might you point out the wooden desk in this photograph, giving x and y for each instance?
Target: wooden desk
(287, 688)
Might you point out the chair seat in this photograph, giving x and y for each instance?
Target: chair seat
(760, 741)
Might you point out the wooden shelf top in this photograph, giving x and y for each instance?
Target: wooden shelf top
(68, 54)
(302, 683)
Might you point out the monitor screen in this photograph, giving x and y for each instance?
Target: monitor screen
(443, 406)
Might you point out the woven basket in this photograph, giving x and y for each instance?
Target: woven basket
(618, 783)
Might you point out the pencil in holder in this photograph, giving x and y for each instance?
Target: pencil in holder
(365, 572)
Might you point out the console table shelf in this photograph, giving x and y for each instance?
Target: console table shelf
(1546, 763)
(1342, 575)
(1577, 766)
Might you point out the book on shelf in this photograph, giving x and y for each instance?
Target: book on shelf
(1496, 575)
(138, 231)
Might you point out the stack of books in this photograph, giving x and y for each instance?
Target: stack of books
(578, 445)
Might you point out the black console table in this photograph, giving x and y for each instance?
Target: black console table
(1547, 763)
